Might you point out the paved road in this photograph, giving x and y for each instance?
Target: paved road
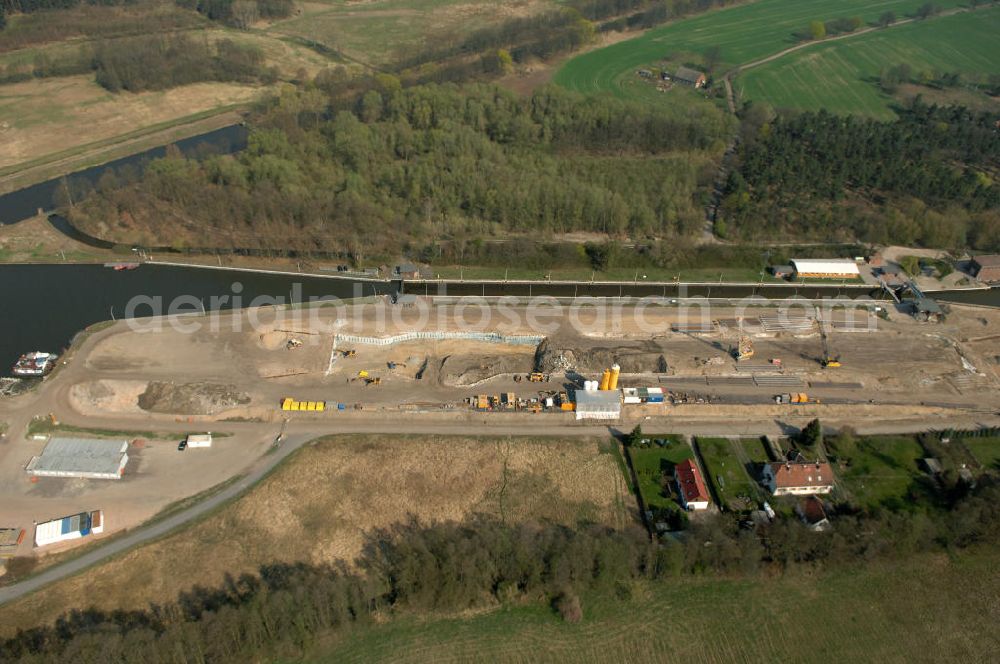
(299, 437)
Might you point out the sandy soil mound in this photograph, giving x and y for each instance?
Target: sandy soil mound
(109, 396)
(191, 398)
(551, 356)
(462, 370)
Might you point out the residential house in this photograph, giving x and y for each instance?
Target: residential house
(801, 478)
(813, 514)
(690, 486)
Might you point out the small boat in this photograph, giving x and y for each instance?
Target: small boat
(35, 364)
(121, 267)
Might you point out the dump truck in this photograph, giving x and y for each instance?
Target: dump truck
(349, 353)
(538, 377)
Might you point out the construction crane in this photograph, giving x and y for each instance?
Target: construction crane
(828, 360)
(744, 345)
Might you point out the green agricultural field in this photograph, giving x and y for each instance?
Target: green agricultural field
(726, 470)
(924, 609)
(882, 469)
(842, 77)
(743, 33)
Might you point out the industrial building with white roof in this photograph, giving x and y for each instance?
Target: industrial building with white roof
(826, 268)
(88, 458)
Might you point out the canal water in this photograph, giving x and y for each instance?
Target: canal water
(25, 203)
(44, 306)
(984, 297)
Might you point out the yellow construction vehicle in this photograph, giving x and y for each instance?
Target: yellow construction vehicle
(349, 353)
(744, 345)
(537, 377)
(373, 381)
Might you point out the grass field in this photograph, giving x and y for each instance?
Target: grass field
(926, 609)
(377, 32)
(986, 451)
(726, 469)
(743, 33)
(882, 469)
(320, 506)
(653, 465)
(842, 77)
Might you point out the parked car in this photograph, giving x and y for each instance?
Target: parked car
(181, 446)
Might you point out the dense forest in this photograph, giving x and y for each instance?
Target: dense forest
(482, 563)
(401, 166)
(929, 177)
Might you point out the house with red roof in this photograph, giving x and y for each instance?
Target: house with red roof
(800, 478)
(690, 486)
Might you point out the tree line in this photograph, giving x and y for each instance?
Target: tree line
(158, 62)
(399, 167)
(452, 567)
(241, 13)
(922, 178)
(153, 62)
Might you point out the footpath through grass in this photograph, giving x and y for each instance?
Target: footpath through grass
(743, 34)
(843, 76)
(925, 609)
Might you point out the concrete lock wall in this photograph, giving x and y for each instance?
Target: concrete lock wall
(489, 337)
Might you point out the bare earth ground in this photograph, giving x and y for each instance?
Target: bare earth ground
(321, 506)
(230, 375)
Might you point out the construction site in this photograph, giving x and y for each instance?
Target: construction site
(257, 376)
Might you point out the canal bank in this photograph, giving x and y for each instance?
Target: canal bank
(25, 203)
(46, 305)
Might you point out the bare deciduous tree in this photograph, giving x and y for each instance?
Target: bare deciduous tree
(245, 13)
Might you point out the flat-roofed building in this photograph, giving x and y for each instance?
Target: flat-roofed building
(598, 404)
(69, 528)
(88, 458)
(826, 268)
